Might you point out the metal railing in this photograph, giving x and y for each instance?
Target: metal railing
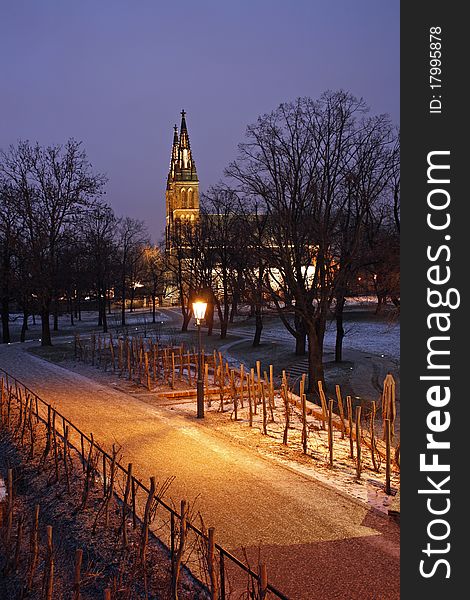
(225, 558)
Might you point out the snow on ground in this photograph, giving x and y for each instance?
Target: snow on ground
(342, 476)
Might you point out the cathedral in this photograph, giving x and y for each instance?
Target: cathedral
(182, 188)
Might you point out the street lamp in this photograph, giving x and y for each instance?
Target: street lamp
(199, 310)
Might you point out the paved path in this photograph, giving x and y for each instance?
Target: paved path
(317, 543)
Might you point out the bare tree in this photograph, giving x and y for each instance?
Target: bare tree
(154, 269)
(52, 185)
(132, 237)
(297, 161)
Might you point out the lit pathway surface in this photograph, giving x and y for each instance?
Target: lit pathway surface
(317, 543)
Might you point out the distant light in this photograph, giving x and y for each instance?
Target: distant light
(382, 355)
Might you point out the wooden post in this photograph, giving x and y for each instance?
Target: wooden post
(234, 394)
(125, 505)
(147, 372)
(242, 383)
(111, 350)
(206, 377)
(189, 369)
(146, 521)
(263, 581)
(250, 401)
(324, 409)
(19, 539)
(172, 370)
(350, 426)
(271, 389)
(49, 567)
(304, 424)
(389, 404)
(107, 594)
(179, 553)
(66, 456)
(212, 566)
(330, 431)
(358, 442)
(265, 419)
(372, 437)
(284, 393)
(341, 410)
(388, 437)
(34, 548)
(77, 573)
(253, 391)
(258, 378)
(9, 505)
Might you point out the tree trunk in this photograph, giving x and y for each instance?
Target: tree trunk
(123, 299)
(186, 320)
(223, 329)
(315, 355)
(154, 302)
(104, 317)
(339, 312)
(56, 314)
(70, 303)
(258, 327)
(5, 320)
(207, 293)
(100, 309)
(132, 299)
(45, 327)
(300, 336)
(234, 308)
(24, 326)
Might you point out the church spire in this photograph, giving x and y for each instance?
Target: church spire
(184, 137)
(185, 159)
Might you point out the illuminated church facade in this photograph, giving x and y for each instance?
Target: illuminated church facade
(182, 188)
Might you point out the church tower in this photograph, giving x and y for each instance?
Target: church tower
(182, 189)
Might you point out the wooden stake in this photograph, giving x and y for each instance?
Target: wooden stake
(250, 401)
(146, 521)
(265, 420)
(330, 431)
(125, 505)
(212, 565)
(350, 423)
(34, 548)
(49, 568)
(242, 383)
(263, 581)
(358, 442)
(304, 423)
(324, 409)
(341, 410)
(77, 573)
(388, 436)
(181, 546)
(372, 437)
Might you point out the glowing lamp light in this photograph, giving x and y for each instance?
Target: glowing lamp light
(199, 310)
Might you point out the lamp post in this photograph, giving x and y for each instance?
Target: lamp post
(199, 310)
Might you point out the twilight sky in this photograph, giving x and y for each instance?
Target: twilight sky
(116, 74)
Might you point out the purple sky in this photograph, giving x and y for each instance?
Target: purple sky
(115, 74)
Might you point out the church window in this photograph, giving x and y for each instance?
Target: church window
(184, 198)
